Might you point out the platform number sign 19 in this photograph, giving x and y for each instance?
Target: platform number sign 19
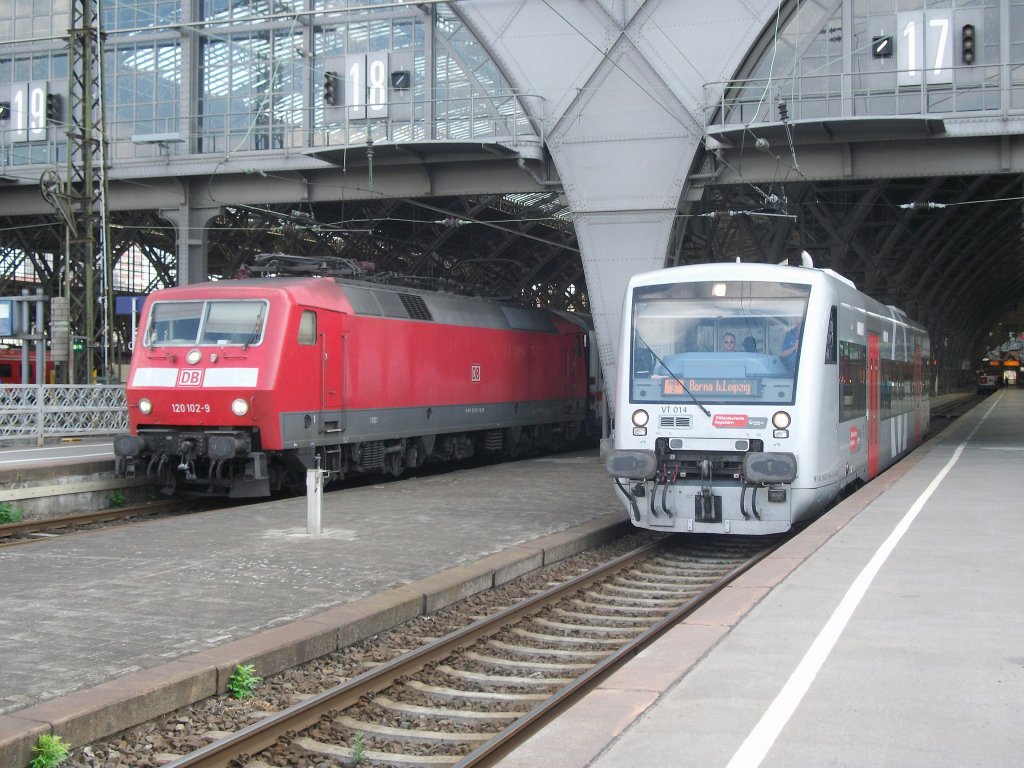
(32, 109)
(925, 47)
(367, 79)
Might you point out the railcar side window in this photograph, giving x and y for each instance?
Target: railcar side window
(853, 367)
(831, 353)
(307, 328)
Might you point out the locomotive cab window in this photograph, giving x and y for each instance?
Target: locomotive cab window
(719, 342)
(307, 328)
(220, 323)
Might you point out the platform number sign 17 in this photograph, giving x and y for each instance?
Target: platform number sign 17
(926, 47)
(474, 373)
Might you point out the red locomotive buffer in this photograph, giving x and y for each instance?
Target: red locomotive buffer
(238, 387)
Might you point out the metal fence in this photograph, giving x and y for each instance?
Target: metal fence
(862, 95)
(29, 412)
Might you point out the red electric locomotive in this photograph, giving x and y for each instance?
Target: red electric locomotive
(238, 387)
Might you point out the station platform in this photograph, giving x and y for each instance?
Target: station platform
(109, 628)
(105, 629)
(889, 633)
(64, 476)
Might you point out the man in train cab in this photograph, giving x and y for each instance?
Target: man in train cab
(728, 343)
(791, 345)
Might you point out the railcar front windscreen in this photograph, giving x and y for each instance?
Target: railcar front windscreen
(717, 342)
(230, 323)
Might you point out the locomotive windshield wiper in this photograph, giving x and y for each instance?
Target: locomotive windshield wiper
(255, 332)
(676, 378)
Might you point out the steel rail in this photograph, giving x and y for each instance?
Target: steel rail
(265, 733)
(501, 745)
(26, 527)
(956, 408)
(262, 735)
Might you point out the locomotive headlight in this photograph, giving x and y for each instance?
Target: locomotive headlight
(193, 356)
(781, 420)
(145, 406)
(239, 406)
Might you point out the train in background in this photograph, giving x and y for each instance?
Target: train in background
(996, 372)
(749, 396)
(989, 377)
(238, 387)
(12, 368)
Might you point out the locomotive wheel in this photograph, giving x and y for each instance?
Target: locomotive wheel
(168, 480)
(395, 464)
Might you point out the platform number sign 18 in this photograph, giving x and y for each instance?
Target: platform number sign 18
(366, 85)
(474, 373)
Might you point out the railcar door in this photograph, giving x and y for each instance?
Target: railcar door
(874, 403)
(917, 393)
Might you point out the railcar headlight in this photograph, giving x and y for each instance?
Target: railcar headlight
(640, 418)
(781, 420)
(239, 406)
(145, 406)
(193, 356)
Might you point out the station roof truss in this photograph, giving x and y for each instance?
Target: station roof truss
(520, 247)
(925, 245)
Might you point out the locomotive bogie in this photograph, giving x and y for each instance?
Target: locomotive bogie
(238, 387)
(825, 392)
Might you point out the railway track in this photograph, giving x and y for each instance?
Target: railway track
(28, 531)
(954, 409)
(469, 697)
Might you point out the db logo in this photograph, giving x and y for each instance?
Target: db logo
(474, 373)
(190, 377)
(854, 439)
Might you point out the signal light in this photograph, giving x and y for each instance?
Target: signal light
(332, 89)
(52, 108)
(967, 44)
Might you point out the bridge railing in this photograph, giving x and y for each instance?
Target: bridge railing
(859, 94)
(505, 117)
(29, 412)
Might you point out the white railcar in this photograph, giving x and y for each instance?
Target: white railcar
(821, 387)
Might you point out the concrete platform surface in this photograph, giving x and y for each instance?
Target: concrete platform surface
(889, 634)
(107, 628)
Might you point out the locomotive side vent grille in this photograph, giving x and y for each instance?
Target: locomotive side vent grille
(668, 422)
(415, 306)
(369, 455)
